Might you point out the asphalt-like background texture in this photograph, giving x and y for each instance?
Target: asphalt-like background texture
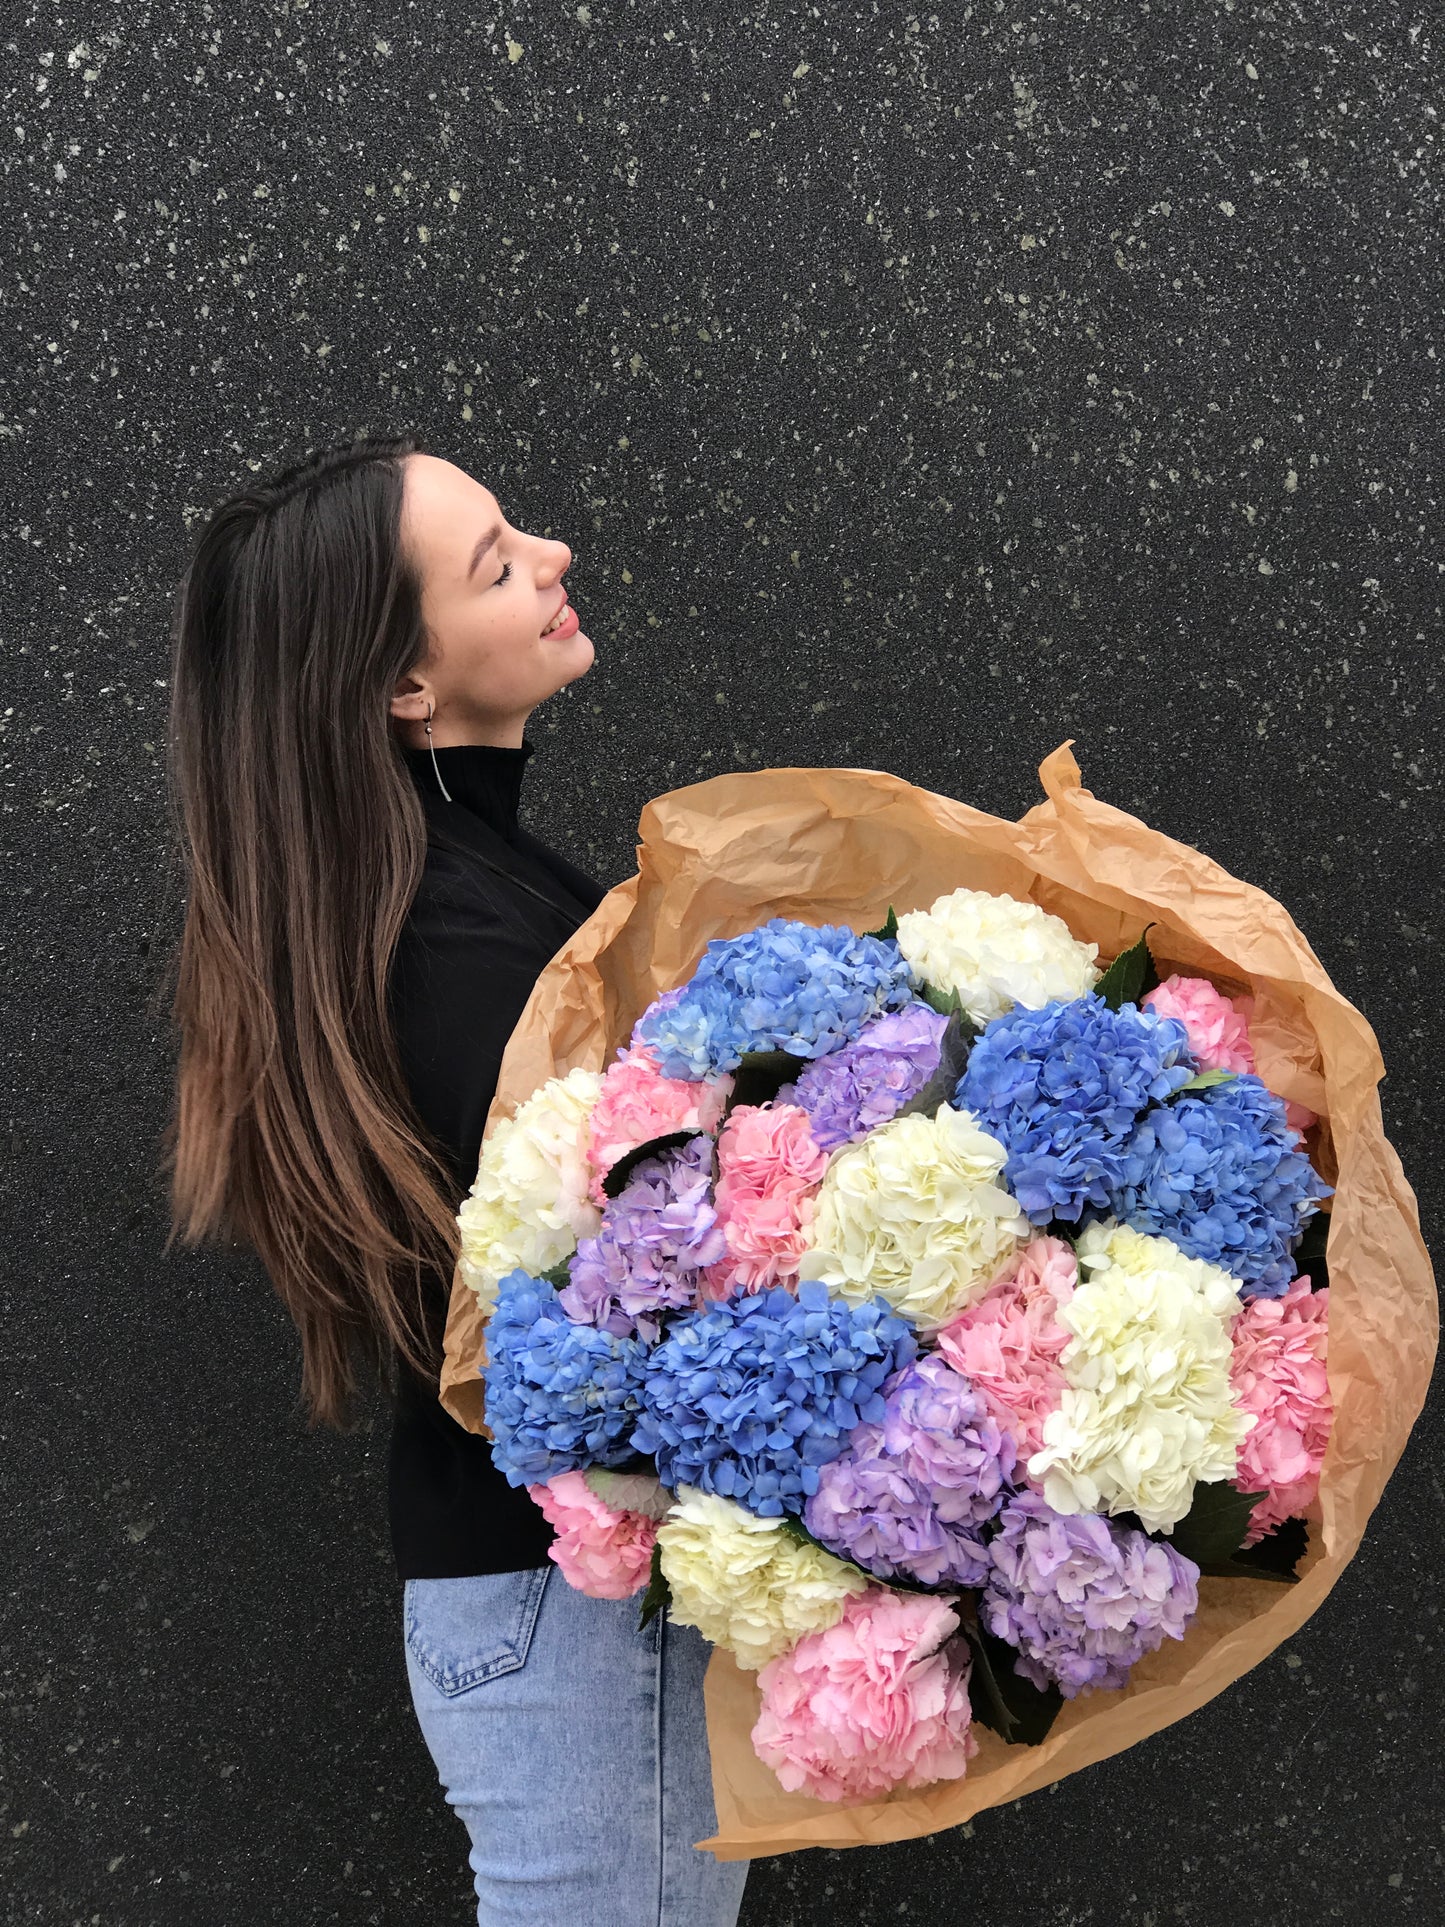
(915, 391)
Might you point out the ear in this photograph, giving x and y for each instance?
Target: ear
(412, 697)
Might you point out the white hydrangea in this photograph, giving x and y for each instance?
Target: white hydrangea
(745, 1582)
(915, 1213)
(1147, 1409)
(996, 952)
(1108, 1242)
(529, 1205)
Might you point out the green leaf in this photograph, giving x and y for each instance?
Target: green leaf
(1238, 1569)
(1131, 975)
(1309, 1253)
(630, 1491)
(889, 928)
(761, 1075)
(1012, 1706)
(1202, 1081)
(658, 1594)
(1212, 1530)
(628, 1162)
(945, 1002)
(1067, 1230)
(957, 1041)
(1275, 1556)
(559, 1276)
(795, 1529)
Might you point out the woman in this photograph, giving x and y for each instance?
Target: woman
(358, 646)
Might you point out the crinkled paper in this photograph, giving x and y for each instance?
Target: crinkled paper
(840, 846)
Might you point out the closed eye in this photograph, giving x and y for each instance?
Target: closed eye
(506, 571)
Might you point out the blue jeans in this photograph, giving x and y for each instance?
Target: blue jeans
(574, 1748)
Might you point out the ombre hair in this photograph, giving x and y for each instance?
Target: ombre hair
(303, 839)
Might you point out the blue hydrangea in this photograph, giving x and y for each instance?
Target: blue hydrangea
(786, 985)
(1221, 1174)
(559, 1395)
(750, 1396)
(1062, 1088)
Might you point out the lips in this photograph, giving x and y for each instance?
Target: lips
(556, 615)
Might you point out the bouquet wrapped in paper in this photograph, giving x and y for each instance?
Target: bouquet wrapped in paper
(900, 1248)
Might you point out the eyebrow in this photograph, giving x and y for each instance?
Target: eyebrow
(480, 550)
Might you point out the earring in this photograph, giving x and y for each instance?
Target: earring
(433, 748)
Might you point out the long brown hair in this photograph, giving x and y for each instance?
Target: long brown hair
(303, 840)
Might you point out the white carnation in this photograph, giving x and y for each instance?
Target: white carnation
(529, 1205)
(996, 952)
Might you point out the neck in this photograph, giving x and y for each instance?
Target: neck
(485, 778)
(507, 734)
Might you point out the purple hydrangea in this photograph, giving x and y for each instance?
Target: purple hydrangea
(749, 1397)
(658, 1235)
(785, 985)
(1221, 1173)
(913, 1491)
(853, 1090)
(1081, 1596)
(1062, 1087)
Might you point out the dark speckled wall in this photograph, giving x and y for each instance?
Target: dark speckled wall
(915, 390)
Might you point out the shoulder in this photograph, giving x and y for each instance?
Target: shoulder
(456, 903)
(579, 883)
(448, 873)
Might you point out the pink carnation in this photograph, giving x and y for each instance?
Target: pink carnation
(876, 1701)
(1218, 1028)
(769, 1171)
(1277, 1371)
(603, 1552)
(1007, 1343)
(636, 1103)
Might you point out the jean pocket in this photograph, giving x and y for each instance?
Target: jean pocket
(462, 1632)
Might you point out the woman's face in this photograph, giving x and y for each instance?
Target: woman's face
(491, 665)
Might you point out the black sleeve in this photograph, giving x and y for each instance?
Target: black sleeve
(460, 980)
(467, 962)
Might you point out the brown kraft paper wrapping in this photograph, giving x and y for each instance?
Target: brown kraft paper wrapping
(841, 845)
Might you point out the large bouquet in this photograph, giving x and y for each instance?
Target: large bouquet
(928, 1313)
(915, 1284)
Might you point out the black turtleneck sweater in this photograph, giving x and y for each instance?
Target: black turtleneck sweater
(494, 906)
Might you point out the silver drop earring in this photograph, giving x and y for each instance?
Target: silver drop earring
(433, 748)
